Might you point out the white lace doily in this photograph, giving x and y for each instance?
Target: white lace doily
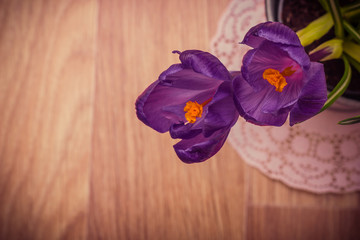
(318, 155)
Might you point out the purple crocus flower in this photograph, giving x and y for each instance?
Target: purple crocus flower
(192, 100)
(277, 78)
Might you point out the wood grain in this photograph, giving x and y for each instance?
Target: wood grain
(47, 76)
(75, 163)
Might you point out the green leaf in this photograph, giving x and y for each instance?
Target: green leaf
(334, 9)
(315, 30)
(351, 7)
(349, 121)
(352, 49)
(324, 5)
(349, 11)
(341, 87)
(352, 31)
(353, 62)
(352, 15)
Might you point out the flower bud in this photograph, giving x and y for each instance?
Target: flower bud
(328, 50)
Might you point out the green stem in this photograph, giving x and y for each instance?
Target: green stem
(351, 7)
(353, 62)
(352, 31)
(336, 15)
(351, 120)
(341, 87)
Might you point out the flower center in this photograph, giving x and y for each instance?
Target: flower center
(277, 78)
(193, 110)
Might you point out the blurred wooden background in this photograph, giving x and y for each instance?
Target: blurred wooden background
(75, 163)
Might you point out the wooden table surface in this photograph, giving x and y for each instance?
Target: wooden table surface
(76, 163)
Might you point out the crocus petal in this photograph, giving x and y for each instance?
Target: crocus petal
(252, 70)
(204, 63)
(257, 60)
(279, 102)
(312, 97)
(159, 106)
(171, 70)
(200, 148)
(141, 100)
(222, 112)
(185, 131)
(272, 32)
(298, 55)
(189, 80)
(270, 55)
(277, 35)
(250, 104)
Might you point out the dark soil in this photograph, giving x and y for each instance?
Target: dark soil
(299, 13)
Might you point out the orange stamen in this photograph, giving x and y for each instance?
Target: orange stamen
(277, 78)
(194, 110)
(287, 72)
(206, 102)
